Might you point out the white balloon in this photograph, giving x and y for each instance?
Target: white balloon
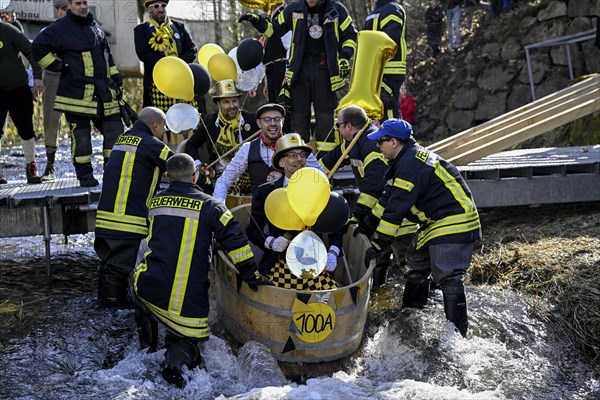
(250, 79)
(306, 255)
(233, 54)
(182, 117)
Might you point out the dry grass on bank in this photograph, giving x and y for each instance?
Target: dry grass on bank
(552, 252)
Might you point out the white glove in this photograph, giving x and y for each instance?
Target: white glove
(332, 256)
(278, 244)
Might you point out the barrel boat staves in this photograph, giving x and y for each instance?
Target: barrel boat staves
(298, 326)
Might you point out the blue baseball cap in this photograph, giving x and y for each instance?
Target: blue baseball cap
(395, 127)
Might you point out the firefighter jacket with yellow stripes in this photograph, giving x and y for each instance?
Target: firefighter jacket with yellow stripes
(131, 178)
(78, 49)
(368, 165)
(424, 188)
(172, 280)
(389, 17)
(339, 35)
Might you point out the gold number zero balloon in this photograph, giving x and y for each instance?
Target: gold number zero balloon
(373, 50)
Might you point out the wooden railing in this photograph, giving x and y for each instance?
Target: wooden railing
(521, 124)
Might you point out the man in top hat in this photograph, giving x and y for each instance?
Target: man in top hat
(157, 38)
(425, 189)
(290, 155)
(256, 156)
(222, 131)
(154, 39)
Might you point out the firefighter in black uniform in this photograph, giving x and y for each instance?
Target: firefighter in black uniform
(426, 189)
(131, 178)
(369, 166)
(389, 17)
(323, 42)
(171, 281)
(77, 47)
(222, 131)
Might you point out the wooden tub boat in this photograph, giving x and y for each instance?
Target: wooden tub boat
(298, 326)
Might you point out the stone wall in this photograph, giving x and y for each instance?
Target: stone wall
(488, 75)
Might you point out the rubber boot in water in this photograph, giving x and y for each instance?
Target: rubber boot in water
(147, 329)
(455, 307)
(415, 296)
(179, 353)
(379, 275)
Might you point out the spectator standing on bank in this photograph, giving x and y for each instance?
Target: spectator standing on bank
(453, 14)
(408, 104)
(77, 47)
(16, 97)
(51, 117)
(434, 17)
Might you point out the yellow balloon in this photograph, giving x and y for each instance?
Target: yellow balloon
(280, 213)
(308, 194)
(374, 49)
(222, 67)
(174, 78)
(207, 51)
(266, 5)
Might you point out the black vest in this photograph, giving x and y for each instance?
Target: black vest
(257, 169)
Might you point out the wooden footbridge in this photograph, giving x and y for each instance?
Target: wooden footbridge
(498, 178)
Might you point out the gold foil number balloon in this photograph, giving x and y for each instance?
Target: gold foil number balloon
(266, 5)
(374, 49)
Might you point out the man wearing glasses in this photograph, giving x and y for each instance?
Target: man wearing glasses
(255, 157)
(369, 166)
(77, 47)
(157, 38)
(426, 189)
(290, 155)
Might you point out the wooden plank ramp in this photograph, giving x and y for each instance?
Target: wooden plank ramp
(526, 122)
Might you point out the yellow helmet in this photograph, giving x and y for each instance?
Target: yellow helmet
(286, 143)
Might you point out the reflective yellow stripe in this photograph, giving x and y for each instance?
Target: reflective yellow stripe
(454, 187)
(325, 146)
(88, 63)
(419, 214)
(226, 217)
(347, 22)
(377, 210)
(394, 230)
(323, 165)
(82, 159)
(121, 227)
(88, 93)
(121, 218)
(390, 18)
(106, 153)
(113, 70)
(164, 154)
(367, 200)
(269, 32)
(242, 254)
(350, 43)
(124, 182)
(74, 105)
(184, 262)
(47, 60)
(190, 327)
(155, 179)
(450, 225)
(403, 184)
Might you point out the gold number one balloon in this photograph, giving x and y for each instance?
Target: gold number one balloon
(266, 5)
(373, 50)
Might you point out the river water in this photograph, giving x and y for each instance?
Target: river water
(56, 343)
